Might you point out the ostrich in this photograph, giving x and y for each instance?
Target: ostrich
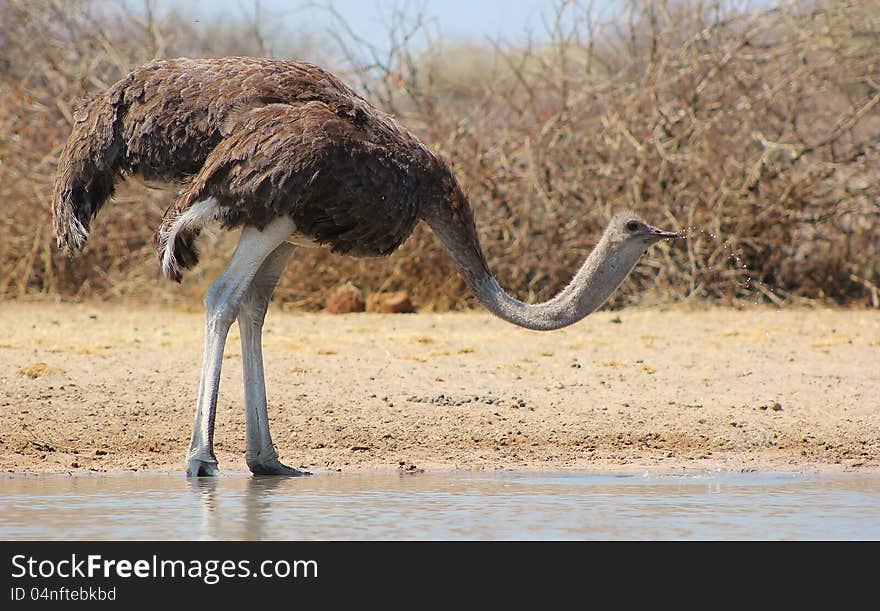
(291, 155)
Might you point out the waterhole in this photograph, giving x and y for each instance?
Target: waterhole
(441, 505)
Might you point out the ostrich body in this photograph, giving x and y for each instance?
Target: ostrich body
(293, 156)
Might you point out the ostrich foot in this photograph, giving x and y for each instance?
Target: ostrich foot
(273, 466)
(197, 467)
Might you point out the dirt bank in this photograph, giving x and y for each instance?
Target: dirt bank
(91, 386)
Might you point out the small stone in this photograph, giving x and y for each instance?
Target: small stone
(345, 299)
(398, 302)
(777, 407)
(410, 468)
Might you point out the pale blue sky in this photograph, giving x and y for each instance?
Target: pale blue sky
(507, 21)
(453, 20)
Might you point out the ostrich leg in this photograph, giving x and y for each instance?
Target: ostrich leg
(261, 456)
(221, 308)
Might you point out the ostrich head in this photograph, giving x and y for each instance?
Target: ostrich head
(629, 236)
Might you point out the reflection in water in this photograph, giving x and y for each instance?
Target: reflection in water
(505, 505)
(206, 490)
(255, 503)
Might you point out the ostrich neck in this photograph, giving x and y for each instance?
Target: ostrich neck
(593, 283)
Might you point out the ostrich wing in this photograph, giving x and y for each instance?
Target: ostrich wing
(343, 183)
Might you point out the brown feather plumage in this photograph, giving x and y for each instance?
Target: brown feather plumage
(263, 138)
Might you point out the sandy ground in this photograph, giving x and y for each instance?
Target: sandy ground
(92, 386)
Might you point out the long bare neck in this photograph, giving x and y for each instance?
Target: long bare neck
(598, 277)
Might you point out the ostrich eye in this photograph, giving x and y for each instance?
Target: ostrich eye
(632, 225)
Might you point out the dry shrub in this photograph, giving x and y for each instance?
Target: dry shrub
(756, 130)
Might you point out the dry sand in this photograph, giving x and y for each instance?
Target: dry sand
(92, 386)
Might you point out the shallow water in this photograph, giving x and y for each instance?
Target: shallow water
(496, 505)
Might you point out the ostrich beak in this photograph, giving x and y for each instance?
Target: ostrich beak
(659, 234)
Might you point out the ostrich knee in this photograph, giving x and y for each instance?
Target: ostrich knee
(221, 307)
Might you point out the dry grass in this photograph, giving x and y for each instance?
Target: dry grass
(757, 131)
(36, 370)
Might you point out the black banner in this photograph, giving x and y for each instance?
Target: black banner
(556, 574)
(224, 572)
